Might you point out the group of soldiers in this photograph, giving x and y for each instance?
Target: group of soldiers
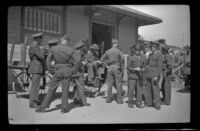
(145, 66)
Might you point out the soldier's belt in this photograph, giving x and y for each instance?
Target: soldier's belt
(57, 66)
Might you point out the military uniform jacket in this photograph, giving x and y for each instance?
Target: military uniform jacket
(134, 62)
(167, 64)
(154, 65)
(91, 57)
(113, 57)
(37, 58)
(79, 58)
(63, 56)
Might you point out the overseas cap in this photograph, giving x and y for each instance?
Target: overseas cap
(52, 41)
(37, 35)
(78, 45)
(66, 37)
(165, 47)
(94, 46)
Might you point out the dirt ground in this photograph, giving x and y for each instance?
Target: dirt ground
(100, 112)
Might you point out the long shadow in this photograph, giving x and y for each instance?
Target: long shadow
(184, 91)
(58, 95)
(89, 94)
(71, 106)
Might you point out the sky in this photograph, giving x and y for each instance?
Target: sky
(175, 28)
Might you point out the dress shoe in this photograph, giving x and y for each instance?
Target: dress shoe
(40, 109)
(37, 102)
(139, 106)
(120, 102)
(76, 102)
(108, 101)
(65, 110)
(130, 105)
(34, 105)
(86, 104)
(157, 107)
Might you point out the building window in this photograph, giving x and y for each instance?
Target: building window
(39, 20)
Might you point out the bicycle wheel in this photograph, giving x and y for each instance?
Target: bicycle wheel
(45, 82)
(21, 84)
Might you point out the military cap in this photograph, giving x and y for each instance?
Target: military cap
(65, 37)
(138, 47)
(165, 47)
(78, 45)
(37, 35)
(114, 41)
(52, 41)
(94, 46)
(154, 43)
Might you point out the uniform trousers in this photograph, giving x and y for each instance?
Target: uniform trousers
(63, 75)
(114, 77)
(35, 88)
(153, 92)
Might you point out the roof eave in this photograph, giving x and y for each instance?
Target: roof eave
(145, 18)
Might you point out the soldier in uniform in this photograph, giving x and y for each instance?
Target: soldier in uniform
(92, 56)
(52, 43)
(64, 57)
(167, 71)
(114, 58)
(153, 69)
(135, 64)
(35, 69)
(79, 97)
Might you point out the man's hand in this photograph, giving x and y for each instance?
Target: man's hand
(98, 61)
(138, 69)
(52, 63)
(83, 62)
(155, 78)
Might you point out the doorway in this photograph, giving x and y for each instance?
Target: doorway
(102, 34)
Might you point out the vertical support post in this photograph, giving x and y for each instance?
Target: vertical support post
(25, 48)
(102, 48)
(90, 29)
(12, 50)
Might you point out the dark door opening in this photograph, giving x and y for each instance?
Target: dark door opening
(101, 33)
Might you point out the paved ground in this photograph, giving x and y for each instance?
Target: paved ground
(101, 112)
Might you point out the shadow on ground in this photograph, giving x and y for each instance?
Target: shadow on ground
(184, 91)
(71, 106)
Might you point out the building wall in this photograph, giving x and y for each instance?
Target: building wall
(77, 23)
(14, 24)
(47, 36)
(106, 17)
(127, 34)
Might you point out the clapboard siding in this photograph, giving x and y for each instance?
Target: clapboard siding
(127, 34)
(14, 23)
(77, 24)
(47, 36)
(107, 17)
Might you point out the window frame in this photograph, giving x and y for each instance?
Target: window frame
(44, 10)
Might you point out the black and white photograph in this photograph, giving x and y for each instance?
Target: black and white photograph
(98, 64)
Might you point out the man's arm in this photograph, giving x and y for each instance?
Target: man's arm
(75, 61)
(104, 57)
(49, 59)
(38, 53)
(122, 60)
(129, 68)
(160, 62)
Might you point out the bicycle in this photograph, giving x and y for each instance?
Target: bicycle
(22, 83)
